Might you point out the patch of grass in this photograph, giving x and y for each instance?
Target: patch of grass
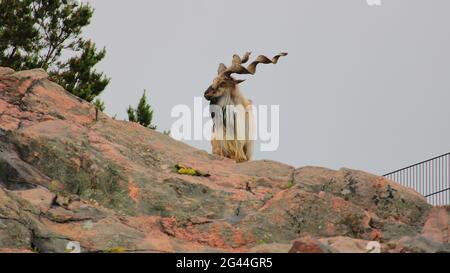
(290, 184)
(261, 242)
(54, 186)
(187, 171)
(34, 249)
(180, 169)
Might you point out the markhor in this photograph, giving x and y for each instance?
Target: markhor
(193, 263)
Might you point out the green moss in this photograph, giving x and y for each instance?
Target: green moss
(55, 159)
(290, 184)
(54, 186)
(117, 249)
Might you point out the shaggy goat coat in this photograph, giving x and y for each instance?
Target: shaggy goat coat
(233, 130)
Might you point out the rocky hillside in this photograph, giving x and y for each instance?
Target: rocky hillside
(113, 186)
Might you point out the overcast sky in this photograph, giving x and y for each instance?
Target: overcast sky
(363, 87)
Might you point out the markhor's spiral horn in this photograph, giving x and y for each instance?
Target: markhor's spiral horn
(237, 68)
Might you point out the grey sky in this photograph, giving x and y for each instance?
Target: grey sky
(363, 87)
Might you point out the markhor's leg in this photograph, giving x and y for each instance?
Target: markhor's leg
(216, 147)
(249, 149)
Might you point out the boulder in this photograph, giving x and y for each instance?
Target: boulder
(67, 177)
(309, 244)
(437, 225)
(350, 245)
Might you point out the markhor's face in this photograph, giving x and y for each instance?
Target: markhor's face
(218, 88)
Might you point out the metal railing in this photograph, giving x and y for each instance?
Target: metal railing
(431, 178)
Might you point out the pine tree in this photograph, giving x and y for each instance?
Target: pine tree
(38, 33)
(99, 104)
(131, 114)
(143, 114)
(78, 76)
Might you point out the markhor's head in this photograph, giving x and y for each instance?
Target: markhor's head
(224, 83)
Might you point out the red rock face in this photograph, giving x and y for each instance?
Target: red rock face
(437, 225)
(308, 245)
(112, 185)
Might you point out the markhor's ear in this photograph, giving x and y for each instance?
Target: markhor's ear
(221, 68)
(239, 81)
